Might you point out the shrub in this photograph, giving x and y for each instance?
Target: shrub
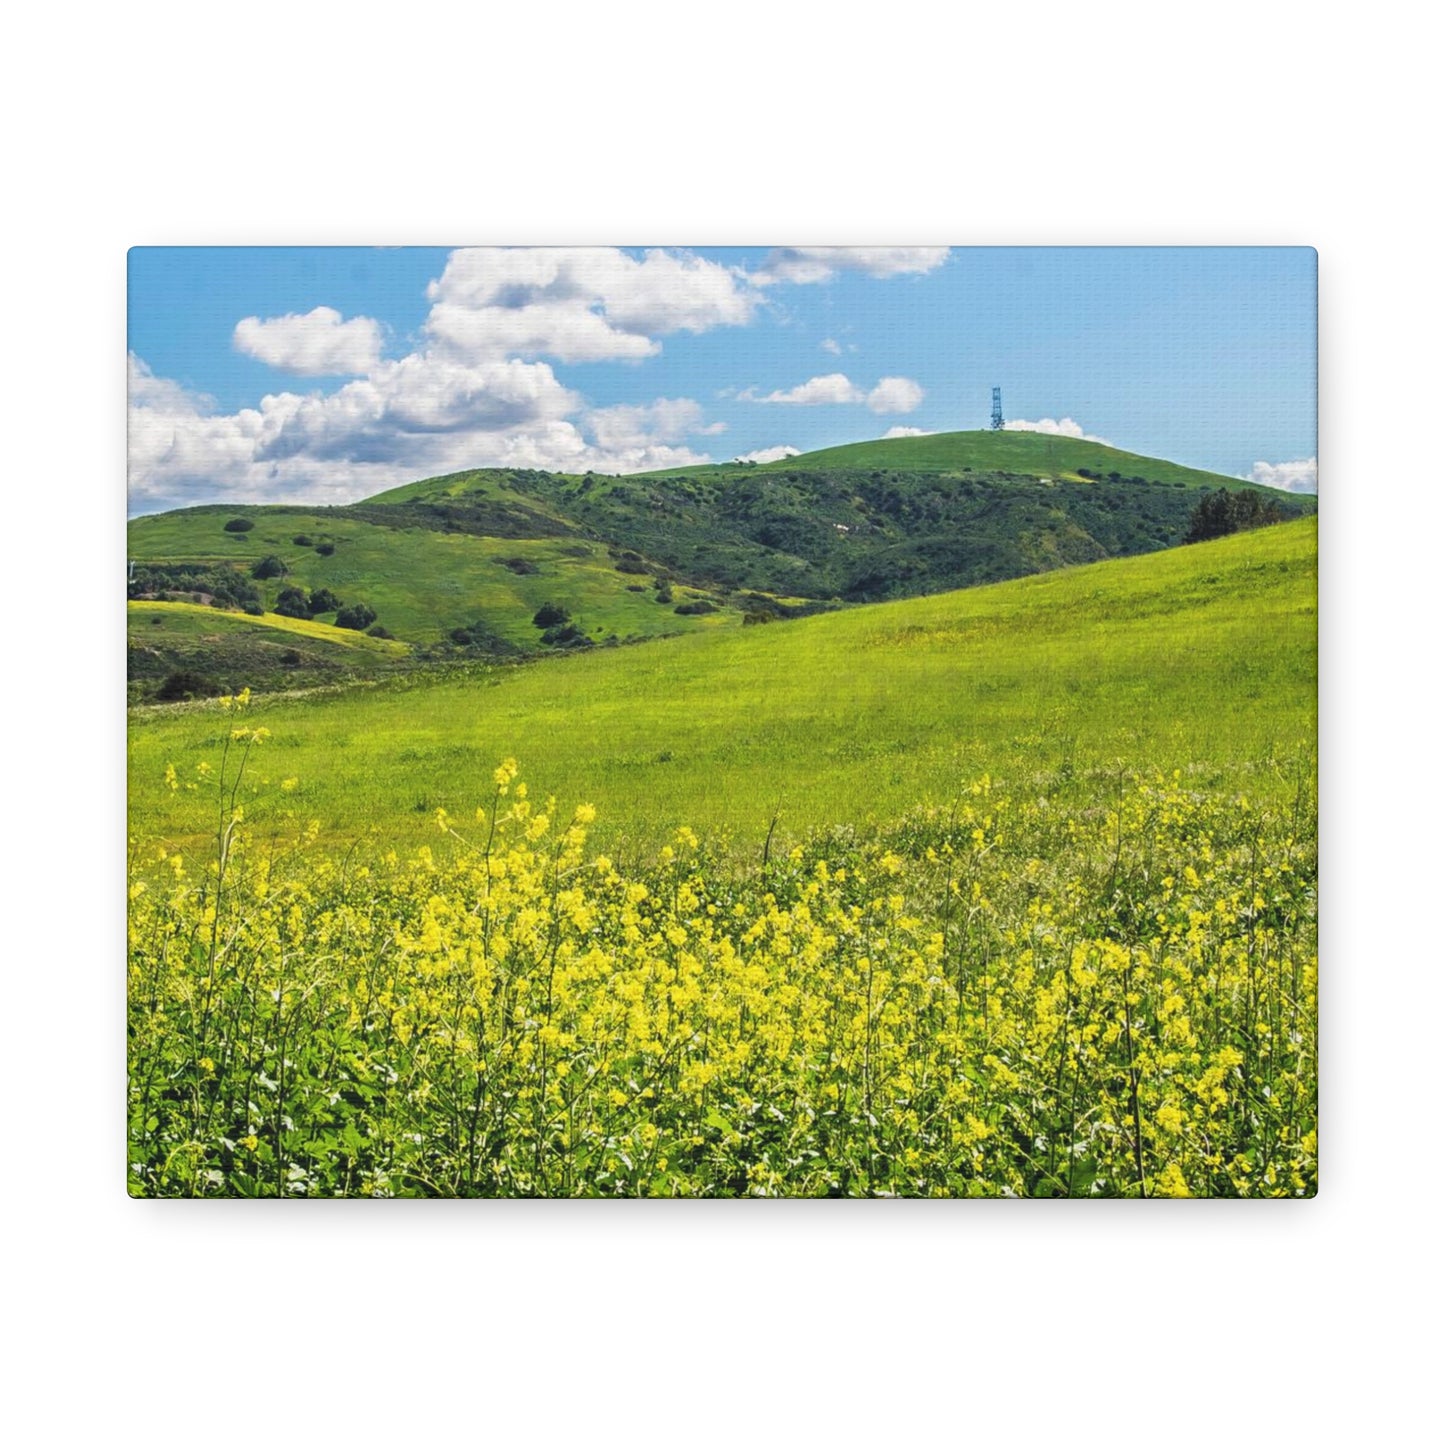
(292, 603)
(268, 567)
(664, 593)
(568, 635)
(550, 614)
(1222, 512)
(324, 600)
(254, 609)
(302, 540)
(522, 566)
(357, 618)
(185, 684)
(238, 524)
(633, 566)
(290, 658)
(325, 549)
(380, 631)
(695, 609)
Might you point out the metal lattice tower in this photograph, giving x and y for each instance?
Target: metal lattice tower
(996, 423)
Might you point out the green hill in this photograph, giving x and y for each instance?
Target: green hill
(457, 567)
(1201, 658)
(1014, 451)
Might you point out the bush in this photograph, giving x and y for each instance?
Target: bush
(634, 566)
(695, 609)
(268, 567)
(664, 593)
(238, 524)
(522, 566)
(380, 631)
(1222, 512)
(569, 635)
(551, 614)
(357, 618)
(290, 658)
(292, 603)
(302, 540)
(324, 600)
(325, 549)
(180, 686)
(254, 609)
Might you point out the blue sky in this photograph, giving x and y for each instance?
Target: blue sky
(327, 374)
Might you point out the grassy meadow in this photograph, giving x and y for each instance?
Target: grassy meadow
(843, 718)
(1006, 891)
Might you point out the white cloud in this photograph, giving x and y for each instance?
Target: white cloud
(769, 454)
(831, 346)
(1299, 476)
(578, 303)
(1064, 427)
(832, 390)
(807, 265)
(319, 343)
(891, 394)
(895, 394)
(619, 428)
(905, 431)
(423, 415)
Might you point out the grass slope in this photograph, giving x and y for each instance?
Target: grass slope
(477, 553)
(1202, 658)
(424, 583)
(1008, 451)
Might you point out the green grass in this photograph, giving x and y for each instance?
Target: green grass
(1030, 453)
(1202, 658)
(422, 584)
(193, 622)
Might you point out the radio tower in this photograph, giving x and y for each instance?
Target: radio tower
(996, 424)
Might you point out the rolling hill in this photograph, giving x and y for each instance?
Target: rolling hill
(1201, 658)
(458, 567)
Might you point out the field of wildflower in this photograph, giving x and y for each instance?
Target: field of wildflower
(1103, 986)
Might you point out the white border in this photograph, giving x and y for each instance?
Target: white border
(1039, 123)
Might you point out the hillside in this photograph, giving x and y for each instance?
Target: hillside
(1201, 658)
(458, 567)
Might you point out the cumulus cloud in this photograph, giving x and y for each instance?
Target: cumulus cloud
(808, 265)
(832, 390)
(891, 394)
(423, 415)
(895, 394)
(905, 431)
(319, 343)
(1063, 427)
(578, 303)
(1298, 476)
(769, 454)
(622, 431)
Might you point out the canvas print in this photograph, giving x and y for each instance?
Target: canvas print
(693, 722)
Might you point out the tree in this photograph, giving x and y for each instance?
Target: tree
(292, 603)
(551, 614)
(1221, 512)
(358, 617)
